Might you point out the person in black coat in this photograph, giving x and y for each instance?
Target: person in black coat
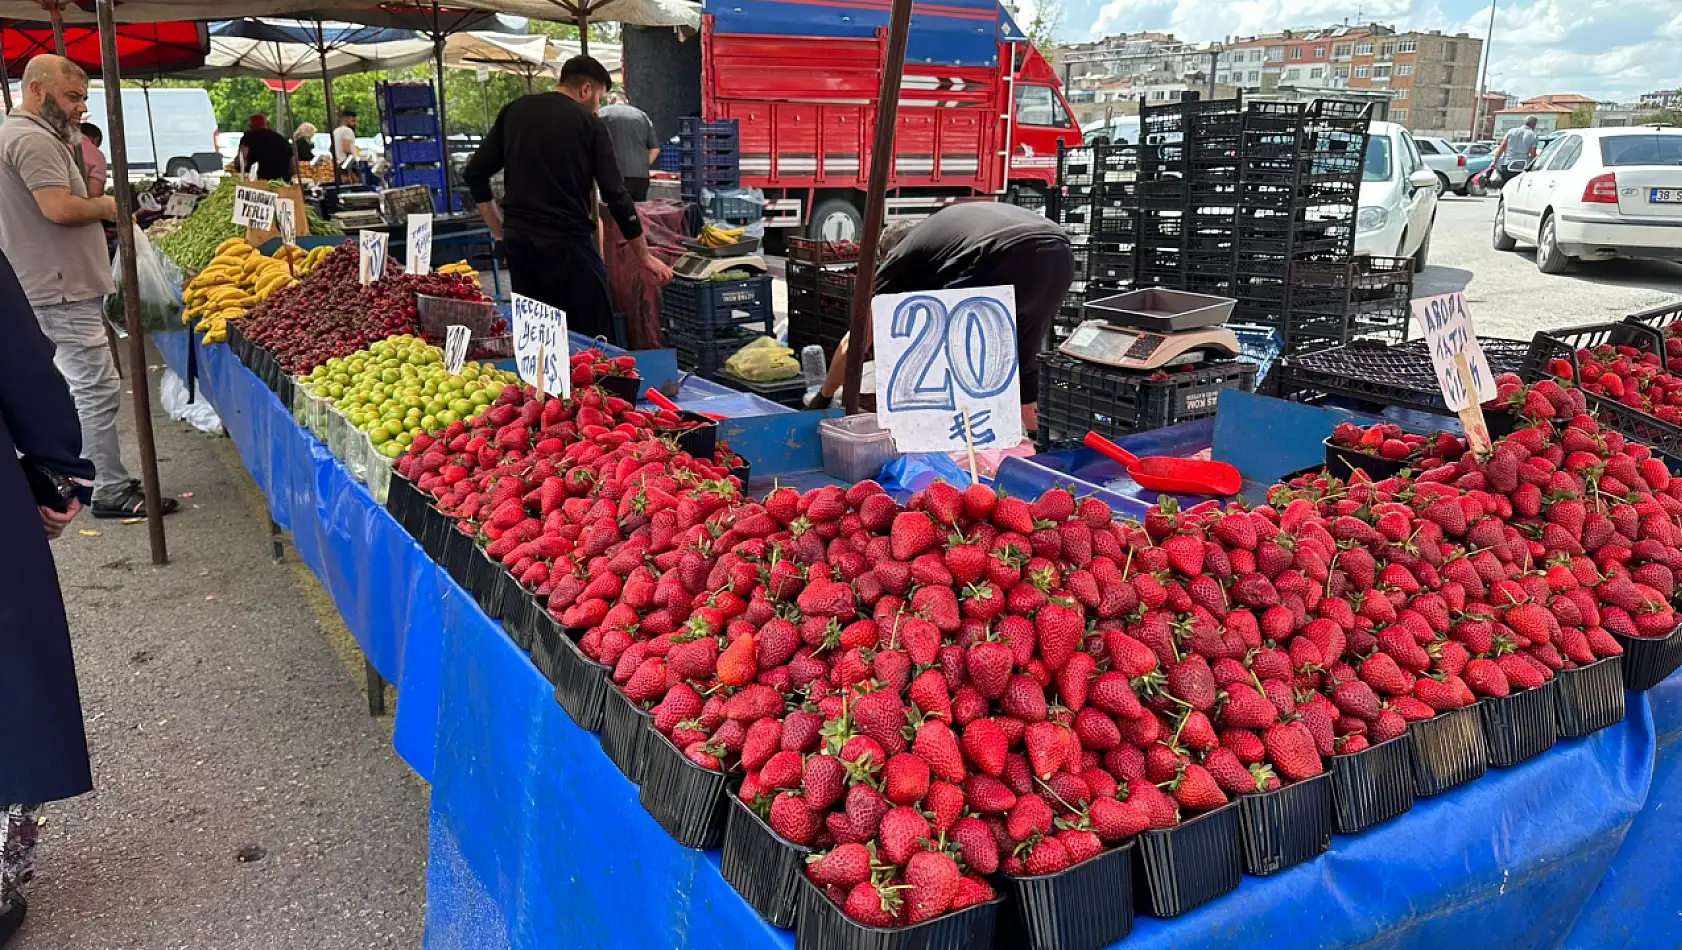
(44, 482)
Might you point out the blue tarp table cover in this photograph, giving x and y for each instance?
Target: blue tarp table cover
(537, 841)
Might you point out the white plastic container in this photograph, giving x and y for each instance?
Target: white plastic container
(854, 447)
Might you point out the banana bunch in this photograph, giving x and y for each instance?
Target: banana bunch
(237, 279)
(463, 268)
(714, 236)
(304, 263)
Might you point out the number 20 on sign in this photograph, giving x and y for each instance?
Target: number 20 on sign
(946, 360)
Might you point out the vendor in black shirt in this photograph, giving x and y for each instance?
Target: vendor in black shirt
(978, 244)
(551, 148)
(266, 150)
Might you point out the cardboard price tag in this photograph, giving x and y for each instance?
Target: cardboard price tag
(286, 216)
(147, 202)
(371, 247)
(180, 205)
(540, 346)
(1463, 372)
(418, 244)
(254, 207)
(947, 371)
(456, 338)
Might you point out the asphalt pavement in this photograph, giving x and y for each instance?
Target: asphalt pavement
(1507, 295)
(245, 799)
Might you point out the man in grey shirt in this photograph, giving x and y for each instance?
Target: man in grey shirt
(633, 144)
(1519, 143)
(51, 230)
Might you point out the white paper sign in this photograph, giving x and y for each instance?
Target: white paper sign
(254, 207)
(541, 331)
(941, 354)
(455, 348)
(372, 247)
(147, 202)
(418, 244)
(284, 214)
(1449, 336)
(251, 173)
(180, 205)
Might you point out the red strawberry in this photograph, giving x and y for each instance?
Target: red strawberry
(905, 779)
(902, 833)
(1059, 626)
(1292, 750)
(844, 866)
(1197, 790)
(872, 906)
(792, 818)
(932, 882)
(985, 745)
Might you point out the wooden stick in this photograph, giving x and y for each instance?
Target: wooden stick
(1471, 417)
(969, 443)
(540, 373)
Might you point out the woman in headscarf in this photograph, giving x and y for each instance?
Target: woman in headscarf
(44, 482)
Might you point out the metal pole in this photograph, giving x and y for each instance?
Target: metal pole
(1483, 77)
(56, 12)
(151, 129)
(584, 30)
(327, 94)
(1214, 62)
(881, 164)
(131, 293)
(5, 80)
(443, 127)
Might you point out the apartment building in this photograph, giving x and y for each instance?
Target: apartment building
(1662, 99)
(1114, 74)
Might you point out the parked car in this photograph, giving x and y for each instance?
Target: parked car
(183, 121)
(1479, 156)
(1118, 130)
(1398, 199)
(1450, 165)
(1597, 194)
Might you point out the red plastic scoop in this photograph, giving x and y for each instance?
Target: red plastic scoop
(1181, 476)
(658, 398)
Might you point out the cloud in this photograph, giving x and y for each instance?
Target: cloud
(1609, 49)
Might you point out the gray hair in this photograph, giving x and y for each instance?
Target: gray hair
(1529, 120)
(50, 70)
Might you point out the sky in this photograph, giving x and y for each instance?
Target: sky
(1607, 49)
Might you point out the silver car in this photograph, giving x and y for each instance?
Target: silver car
(1450, 165)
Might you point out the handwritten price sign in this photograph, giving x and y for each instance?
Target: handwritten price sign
(254, 208)
(180, 205)
(456, 339)
(948, 353)
(418, 244)
(1462, 370)
(540, 346)
(285, 214)
(371, 246)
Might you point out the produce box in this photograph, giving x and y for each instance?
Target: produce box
(1077, 397)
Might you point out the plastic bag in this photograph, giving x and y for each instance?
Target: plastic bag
(198, 413)
(159, 282)
(763, 361)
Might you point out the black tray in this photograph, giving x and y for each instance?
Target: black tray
(824, 926)
(764, 867)
(702, 441)
(625, 729)
(484, 580)
(1649, 660)
(1590, 697)
(1519, 726)
(686, 799)
(460, 554)
(1188, 865)
(1081, 908)
(1448, 750)
(1343, 462)
(580, 682)
(517, 606)
(1376, 374)
(1663, 437)
(1286, 827)
(1372, 786)
(625, 387)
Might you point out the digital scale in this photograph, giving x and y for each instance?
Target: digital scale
(1153, 328)
(701, 267)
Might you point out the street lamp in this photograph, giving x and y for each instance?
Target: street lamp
(1483, 78)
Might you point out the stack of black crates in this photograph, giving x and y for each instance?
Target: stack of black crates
(707, 321)
(1253, 201)
(710, 157)
(820, 292)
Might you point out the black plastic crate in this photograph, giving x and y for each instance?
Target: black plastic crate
(824, 926)
(1589, 698)
(809, 252)
(1084, 907)
(1372, 374)
(1372, 786)
(1648, 661)
(625, 728)
(581, 683)
(1077, 397)
(703, 308)
(1095, 165)
(1287, 826)
(763, 867)
(1519, 726)
(1634, 424)
(1660, 318)
(1188, 865)
(684, 798)
(705, 357)
(788, 392)
(1448, 750)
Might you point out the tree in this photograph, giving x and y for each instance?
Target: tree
(1043, 26)
(1582, 117)
(1664, 117)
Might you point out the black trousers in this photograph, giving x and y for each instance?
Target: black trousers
(1040, 272)
(564, 274)
(638, 187)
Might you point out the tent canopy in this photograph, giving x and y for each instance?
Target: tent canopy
(400, 14)
(287, 49)
(143, 49)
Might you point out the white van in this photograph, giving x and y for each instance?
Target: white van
(182, 119)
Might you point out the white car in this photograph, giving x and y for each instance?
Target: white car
(1398, 200)
(1441, 157)
(1118, 130)
(1597, 194)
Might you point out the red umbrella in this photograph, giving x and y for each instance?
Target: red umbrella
(143, 49)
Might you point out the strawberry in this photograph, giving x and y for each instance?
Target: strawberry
(844, 866)
(823, 781)
(793, 819)
(932, 882)
(1013, 515)
(1485, 678)
(1028, 817)
(1197, 790)
(1115, 821)
(987, 795)
(936, 744)
(976, 845)
(989, 665)
(737, 665)
(985, 745)
(902, 833)
(1292, 750)
(905, 779)
(1048, 747)
(871, 905)
(1059, 626)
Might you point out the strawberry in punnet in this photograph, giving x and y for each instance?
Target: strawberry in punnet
(843, 866)
(932, 879)
(1291, 748)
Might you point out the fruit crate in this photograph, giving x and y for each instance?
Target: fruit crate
(705, 358)
(1661, 318)
(1374, 375)
(763, 867)
(1077, 397)
(786, 392)
(808, 251)
(1096, 166)
(1084, 907)
(1549, 345)
(705, 309)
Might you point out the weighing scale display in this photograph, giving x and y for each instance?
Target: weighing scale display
(1127, 348)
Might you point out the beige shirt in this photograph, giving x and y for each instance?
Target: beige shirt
(56, 264)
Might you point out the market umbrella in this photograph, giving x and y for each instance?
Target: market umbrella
(149, 49)
(524, 56)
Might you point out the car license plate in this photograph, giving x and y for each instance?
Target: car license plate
(1667, 196)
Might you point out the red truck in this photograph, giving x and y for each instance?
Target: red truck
(802, 77)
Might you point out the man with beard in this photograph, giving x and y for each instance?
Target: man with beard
(51, 230)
